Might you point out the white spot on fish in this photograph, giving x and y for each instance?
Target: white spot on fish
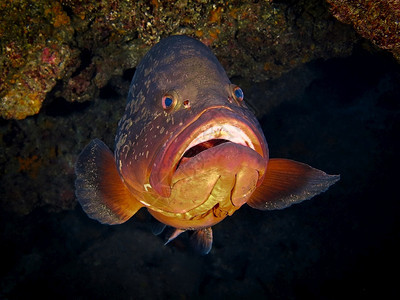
(144, 203)
(146, 187)
(125, 149)
(129, 124)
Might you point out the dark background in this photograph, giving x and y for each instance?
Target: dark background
(339, 115)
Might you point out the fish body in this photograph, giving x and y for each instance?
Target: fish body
(188, 149)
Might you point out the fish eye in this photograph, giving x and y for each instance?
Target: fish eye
(238, 94)
(168, 102)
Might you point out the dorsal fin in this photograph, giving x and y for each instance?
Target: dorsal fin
(99, 187)
(201, 240)
(287, 182)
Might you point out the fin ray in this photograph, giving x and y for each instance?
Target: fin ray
(99, 188)
(175, 233)
(201, 240)
(287, 182)
(156, 226)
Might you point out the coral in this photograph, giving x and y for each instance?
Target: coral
(378, 21)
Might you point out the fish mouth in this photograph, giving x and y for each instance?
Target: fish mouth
(212, 137)
(198, 148)
(212, 128)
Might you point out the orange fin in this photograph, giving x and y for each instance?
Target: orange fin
(99, 187)
(287, 182)
(201, 240)
(174, 234)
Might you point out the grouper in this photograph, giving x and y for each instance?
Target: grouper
(188, 149)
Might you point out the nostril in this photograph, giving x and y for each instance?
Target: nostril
(186, 104)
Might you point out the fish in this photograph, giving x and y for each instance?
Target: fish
(189, 150)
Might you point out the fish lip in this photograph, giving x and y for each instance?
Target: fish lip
(165, 162)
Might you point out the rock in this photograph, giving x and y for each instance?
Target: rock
(73, 48)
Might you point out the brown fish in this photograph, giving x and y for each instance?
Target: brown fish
(188, 149)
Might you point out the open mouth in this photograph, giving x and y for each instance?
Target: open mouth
(211, 129)
(214, 136)
(193, 151)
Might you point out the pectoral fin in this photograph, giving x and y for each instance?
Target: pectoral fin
(201, 240)
(287, 182)
(99, 187)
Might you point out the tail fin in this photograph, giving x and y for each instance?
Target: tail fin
(287, 182)
(99, 187)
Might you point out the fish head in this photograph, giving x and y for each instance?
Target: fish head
(187, 139)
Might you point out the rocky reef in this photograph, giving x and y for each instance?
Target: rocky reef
(378, 21)
(325, 93)
(73, 48)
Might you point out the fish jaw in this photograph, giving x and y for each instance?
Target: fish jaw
(214, 123)
(211, 186)
(230, 172)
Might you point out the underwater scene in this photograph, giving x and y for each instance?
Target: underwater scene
(199, 149)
